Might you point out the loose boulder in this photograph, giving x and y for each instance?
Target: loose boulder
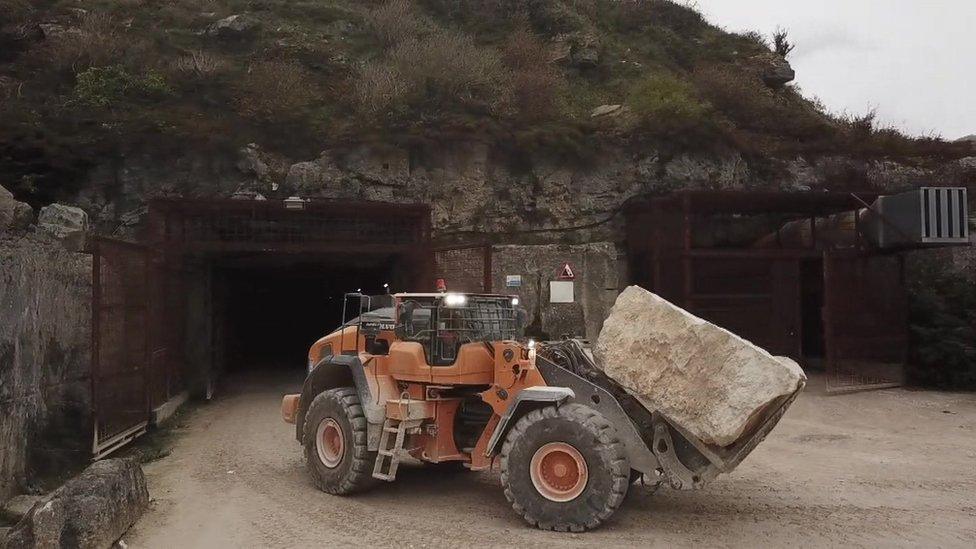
(706, 379)
(92, 510)
(777, 72)
(235, 27)
(62, 221)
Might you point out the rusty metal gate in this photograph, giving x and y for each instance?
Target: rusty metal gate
(865, 321)
(465, 268)
(120, 343)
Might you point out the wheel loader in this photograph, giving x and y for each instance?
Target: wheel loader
(448, 379)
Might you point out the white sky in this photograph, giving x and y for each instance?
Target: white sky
(912, 60)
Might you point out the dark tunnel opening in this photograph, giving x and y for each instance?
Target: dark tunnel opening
(271, 308)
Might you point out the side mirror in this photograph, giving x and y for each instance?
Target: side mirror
(377, 346)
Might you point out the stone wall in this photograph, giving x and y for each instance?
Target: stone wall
(45, 323)
(596, 285)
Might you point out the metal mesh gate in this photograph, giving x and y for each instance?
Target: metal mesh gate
(865, 321)
(120, 343)
(465, 268)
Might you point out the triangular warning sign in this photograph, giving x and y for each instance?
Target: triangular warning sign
(567, 273)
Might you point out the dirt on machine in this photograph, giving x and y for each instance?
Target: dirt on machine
(450, 380)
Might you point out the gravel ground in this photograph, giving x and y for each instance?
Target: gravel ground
(884, 468)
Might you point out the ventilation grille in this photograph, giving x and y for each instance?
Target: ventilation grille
(944, 214)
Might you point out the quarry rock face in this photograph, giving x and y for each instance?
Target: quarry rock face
(92, 510)
(704, 378)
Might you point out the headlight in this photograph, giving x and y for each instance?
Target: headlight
(455, 300)
(531, 344)
(515, 302)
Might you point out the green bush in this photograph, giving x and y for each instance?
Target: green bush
(669, 109)
(942, 317)
(106, 86)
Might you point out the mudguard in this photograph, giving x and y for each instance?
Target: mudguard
(527, 400)
(339, 371)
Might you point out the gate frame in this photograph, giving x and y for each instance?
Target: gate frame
(102, 448)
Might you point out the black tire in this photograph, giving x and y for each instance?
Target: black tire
(354, 471)
(594, 437)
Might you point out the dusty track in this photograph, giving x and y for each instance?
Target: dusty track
(887, 468)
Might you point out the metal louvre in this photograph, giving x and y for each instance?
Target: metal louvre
(120, 343)
(944, 214)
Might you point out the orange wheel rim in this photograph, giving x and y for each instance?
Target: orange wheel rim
(558, 472)
(329, 442)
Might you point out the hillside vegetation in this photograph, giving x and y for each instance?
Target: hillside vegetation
(84, 81)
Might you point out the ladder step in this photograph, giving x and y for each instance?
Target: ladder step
(388, 453)
(390, 429)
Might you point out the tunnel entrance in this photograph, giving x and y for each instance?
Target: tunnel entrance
(224, 287)
(271, 308)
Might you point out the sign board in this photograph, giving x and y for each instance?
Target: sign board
(513, 281)
(561, 291)
(566, 273)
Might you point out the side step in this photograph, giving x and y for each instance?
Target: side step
(388, 457)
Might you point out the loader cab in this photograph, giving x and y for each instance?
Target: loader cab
(443, 322)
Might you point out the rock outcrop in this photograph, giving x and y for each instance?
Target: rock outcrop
(14, 215)
(707, 379)
(62, 221)
(92, 510)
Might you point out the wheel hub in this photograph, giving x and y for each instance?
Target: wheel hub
(329, 442)
(558, 472)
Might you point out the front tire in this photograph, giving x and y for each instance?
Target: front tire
(564, 468)
(336, 451)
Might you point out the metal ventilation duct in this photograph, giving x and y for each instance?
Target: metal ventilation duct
(929, 216)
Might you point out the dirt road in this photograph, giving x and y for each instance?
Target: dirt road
(889, 468)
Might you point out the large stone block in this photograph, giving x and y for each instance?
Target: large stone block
(706, 379)
(92, 510)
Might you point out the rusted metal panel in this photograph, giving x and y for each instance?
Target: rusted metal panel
(250, 225)
(120, 343)
(464, 268)
(865, 321)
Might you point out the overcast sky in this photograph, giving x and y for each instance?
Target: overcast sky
(912, 60)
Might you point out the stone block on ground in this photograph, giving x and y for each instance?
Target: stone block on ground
(62, 221)
(17, 507)
(92, 510)
(706, 379)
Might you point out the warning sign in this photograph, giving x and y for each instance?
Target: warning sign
(566, 273)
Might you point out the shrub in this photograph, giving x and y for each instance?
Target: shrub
(105, 86)
(942, 317)
(199, 64)
(274, 90)
(536, 83)
(739, 93)
(781, 42)
(435, 74)
(668, 108)
(96, 42)
(396, 21)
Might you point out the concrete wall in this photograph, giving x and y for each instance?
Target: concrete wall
(597, 284)
(45, 327)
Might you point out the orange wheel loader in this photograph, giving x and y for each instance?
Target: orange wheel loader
(447, 378)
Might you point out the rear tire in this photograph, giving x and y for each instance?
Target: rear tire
(564, 468)
(335, 441)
